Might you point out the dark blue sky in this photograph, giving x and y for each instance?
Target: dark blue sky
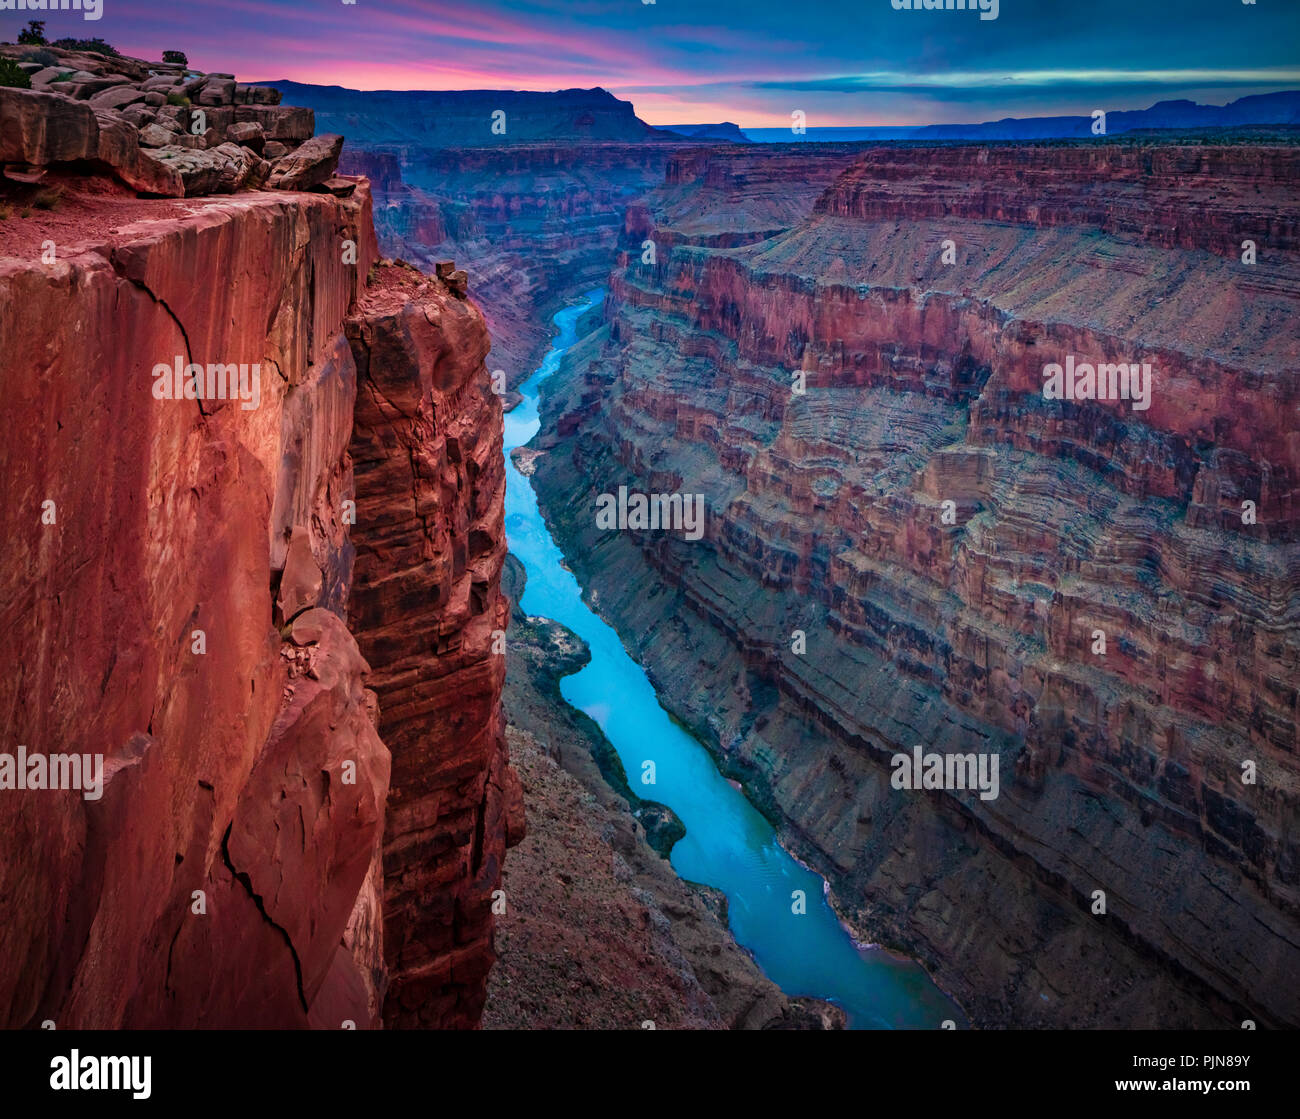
(750, 61)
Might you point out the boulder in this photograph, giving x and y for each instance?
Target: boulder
(220, 170)
(137, 115)
(255, 94)
(288, 123)
(274, 149)
(217, 92)
(117, 97)
(87, 86)
(42, 128)
(155, 136)
(301, 582)
(309, 165)
(118, 144)
(340, 188)
(247, 132)
(153, 97)
(39, 129)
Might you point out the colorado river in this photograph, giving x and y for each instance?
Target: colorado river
(728, 844)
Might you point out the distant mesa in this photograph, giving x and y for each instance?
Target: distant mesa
(469, 118)
(726, 131)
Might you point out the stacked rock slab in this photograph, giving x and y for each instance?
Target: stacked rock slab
(161, 129)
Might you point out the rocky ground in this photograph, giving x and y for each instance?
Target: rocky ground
(599, 932)
(161, 128)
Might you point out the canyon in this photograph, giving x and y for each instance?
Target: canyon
(296, 636)
(907, 545)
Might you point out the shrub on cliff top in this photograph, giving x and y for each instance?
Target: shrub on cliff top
(11, 75)
(176, 58)
(87, 46)
(44, 57)
(33, 33)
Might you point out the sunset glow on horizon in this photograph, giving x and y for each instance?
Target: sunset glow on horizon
(842, 62)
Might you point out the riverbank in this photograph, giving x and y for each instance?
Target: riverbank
(599, 932)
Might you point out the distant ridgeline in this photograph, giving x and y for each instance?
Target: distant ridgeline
(468, 118)
(1270, 109)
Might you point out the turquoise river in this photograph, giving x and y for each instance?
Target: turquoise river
(728, 844)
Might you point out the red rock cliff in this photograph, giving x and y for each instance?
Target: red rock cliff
(426, 604)
(271, 844)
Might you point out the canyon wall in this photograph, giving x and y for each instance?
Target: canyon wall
(534, 223)
(426, 602)
(919, 549)
(269, 614)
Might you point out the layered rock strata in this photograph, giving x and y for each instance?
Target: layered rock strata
(428, 611)
(1109, 601)
(203, 600)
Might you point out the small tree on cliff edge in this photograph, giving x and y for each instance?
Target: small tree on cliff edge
(33, 34)
(176, 58)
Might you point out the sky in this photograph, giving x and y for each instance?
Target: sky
(753, 62)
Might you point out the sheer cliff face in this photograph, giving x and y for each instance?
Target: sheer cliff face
(180, 597)
(426, 604)
(920, 299)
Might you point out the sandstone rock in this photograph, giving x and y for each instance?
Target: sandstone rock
(236, 787)
(117, 97)
(301, 581)
(339, 186)
(256, 95)
(217, 92)
(154, 136)
(117, 144)
(137, 115)
(220, 170)
(287, 123)
(308, 165)
(41, 129)
(22, 173)
(248, 133)
(420, 354)
(155, 99)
